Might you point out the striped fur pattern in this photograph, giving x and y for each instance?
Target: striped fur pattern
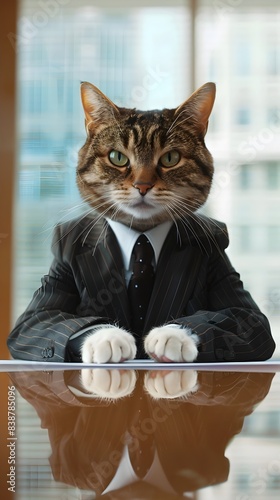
(151, 187)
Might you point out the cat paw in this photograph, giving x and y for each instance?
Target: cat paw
(108, 384)
(170, 384)
(108, 345)
(168, 344)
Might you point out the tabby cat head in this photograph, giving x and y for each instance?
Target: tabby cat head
(142, 168)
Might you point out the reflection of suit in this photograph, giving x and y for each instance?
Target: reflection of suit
(88, 436)
(195, 286)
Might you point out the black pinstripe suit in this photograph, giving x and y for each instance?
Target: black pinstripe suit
(195, 286)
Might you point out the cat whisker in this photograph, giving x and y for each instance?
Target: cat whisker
(194, 205)
(131, 222)
(169, 211)
(178, 209)
(188, 228)
(49, 228)
(87, 213)
(114, 216)
(202, 223)
(116, 121)
(175, 123)
(96, 221)
(69, 212)
(74, 226)
(191, 204)
(102, 235)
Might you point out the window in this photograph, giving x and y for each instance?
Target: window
(273, 298)
(245, 176)
(247, 239)
(242, 55)
(273, 175)
(243, 116)
(273, 59)
(273, 239)
(273, 117)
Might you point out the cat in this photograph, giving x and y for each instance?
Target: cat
(143, 168)
(143, 172)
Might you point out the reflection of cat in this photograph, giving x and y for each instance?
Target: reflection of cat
(143, 172)
(88, 436)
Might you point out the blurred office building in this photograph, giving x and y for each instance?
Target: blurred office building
(153, 54)
(142, 54)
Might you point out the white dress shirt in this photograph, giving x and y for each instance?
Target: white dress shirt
(127, 237)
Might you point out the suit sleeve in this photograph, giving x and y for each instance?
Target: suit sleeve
(231, 327)
(42, 332)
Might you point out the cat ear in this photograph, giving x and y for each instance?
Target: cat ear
(97, 107)
(199, 106)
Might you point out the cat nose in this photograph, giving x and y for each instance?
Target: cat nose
(143, 187)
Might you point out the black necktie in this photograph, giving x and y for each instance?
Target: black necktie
(141, 282)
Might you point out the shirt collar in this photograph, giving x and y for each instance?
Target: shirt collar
(127, 237)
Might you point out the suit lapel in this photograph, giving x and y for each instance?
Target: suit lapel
(101, 267)
(175, 279)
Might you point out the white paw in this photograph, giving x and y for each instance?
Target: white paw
(171, 344)
(170, 384)
(109, 384)
(108, 345)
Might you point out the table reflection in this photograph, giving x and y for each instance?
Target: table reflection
(146, 434)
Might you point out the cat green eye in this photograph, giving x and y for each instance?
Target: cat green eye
(170, 159)
(118, 159)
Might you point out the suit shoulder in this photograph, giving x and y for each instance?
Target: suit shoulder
(215, 229)
(81, 231)
(207, 233)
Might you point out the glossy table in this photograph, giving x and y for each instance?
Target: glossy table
(140, 431)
